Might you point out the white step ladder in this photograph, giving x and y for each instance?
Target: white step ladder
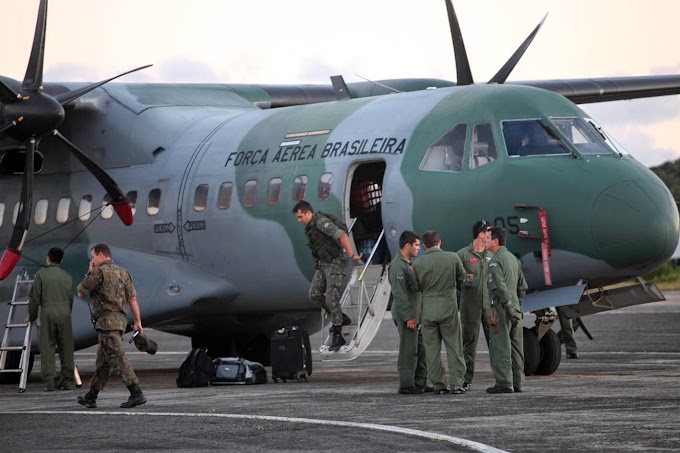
(365, 301)
(22, 288)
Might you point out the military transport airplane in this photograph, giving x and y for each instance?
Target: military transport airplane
(192, 186)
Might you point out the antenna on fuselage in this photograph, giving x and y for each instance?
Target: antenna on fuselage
(394, 90)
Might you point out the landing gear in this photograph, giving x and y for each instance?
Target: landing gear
(551, 354)
(532, 352)
(542, 348)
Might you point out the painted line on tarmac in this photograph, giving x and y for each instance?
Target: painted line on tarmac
(476, 446)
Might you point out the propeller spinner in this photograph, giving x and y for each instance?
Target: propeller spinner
(32, 114)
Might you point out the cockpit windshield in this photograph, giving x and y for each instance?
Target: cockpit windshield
(583, 135)
(531, 138)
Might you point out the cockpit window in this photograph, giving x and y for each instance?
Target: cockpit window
(531, 138)
(584, 137)
(446, 154)
(483, 145)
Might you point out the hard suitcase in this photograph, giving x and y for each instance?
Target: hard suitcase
(291, 354)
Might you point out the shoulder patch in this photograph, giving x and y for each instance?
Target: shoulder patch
(494, 264)
(400, 275)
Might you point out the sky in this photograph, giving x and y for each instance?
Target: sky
(307, 41)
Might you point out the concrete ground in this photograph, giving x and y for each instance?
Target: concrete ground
(621, 395)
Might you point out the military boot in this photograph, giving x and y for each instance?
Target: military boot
(89, 400)
(136, 397)
(338, 339)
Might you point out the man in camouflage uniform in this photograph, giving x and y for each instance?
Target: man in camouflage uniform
(327, 242)
(474, 295)
(52, 290)
(406, 314)
(110, 288)
(507, 288)
(436, 275)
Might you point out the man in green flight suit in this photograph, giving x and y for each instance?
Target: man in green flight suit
(507, 288)
(327, 242)
(406, 314)
(566, 334)
(474, 295)
(52, 290)
(436, 275)
(111, 290)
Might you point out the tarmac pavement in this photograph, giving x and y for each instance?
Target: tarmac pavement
(621, 395)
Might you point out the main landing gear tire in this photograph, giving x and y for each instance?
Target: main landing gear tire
(551, 353)
(532, 352)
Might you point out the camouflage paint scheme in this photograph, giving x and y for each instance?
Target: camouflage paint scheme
(249, 269)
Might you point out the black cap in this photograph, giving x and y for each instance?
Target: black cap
(479, 227)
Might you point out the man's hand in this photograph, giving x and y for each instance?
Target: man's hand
(356, 258)
(411, 324)
(138, 327)
(26, 320)
(514, 314)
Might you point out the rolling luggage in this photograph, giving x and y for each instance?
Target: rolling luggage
(233, 370)
(291, 354)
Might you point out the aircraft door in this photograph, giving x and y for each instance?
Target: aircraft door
(364, 199)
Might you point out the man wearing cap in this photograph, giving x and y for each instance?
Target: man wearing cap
(474, 295)
(437, 274)
(52, 290)
(506, 292)
(406, 314)
(111, 290)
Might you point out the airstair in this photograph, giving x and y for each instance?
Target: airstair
(18, 305)
(365, 301)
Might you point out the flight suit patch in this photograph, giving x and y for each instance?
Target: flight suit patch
(469, 278)
(473, 260)
(400, 275)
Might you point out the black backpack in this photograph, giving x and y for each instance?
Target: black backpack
(197, 370)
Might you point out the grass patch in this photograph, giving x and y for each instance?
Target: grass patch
(667, 277)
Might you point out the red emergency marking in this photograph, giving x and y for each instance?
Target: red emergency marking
(545, 257)
(545, 247)
(543, 218)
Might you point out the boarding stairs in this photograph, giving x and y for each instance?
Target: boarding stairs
(365, 301)
(18, 310)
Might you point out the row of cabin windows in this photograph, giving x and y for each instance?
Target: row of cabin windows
(84, 208)
(224, 195)
(272, 195)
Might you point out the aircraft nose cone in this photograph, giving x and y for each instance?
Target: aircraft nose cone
(635, 225)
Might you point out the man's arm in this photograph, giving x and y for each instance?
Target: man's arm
(136, 316)
(93, 279)
(34, 299)
(401, 300)
(345, 243)
(460, 271)
(522, 287)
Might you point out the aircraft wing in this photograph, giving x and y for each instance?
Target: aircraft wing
(587, 91)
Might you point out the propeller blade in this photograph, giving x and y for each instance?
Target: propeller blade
(7, 94)
(65, 98)
(507, 68)
(11, 255)
(463, 71)
(10, 124)
(34, 70)
(119, 201)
